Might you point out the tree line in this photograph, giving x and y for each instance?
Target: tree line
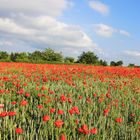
(50, 56)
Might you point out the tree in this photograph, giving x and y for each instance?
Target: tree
(119, 63)
(4, 56)
(131, 65)
(36, 56)
(69, 60)
(88, 58)
(112, 63)
(13, 56)
(50, 55)
(103, 62)
(19, 57)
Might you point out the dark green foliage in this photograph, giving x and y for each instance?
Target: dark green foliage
(19, 57)
(4, 56)
(51, 57)
(88, 58)
(103, 62)
(131, 65)
(69, 60)
(112, 63)
(118, 63)
(36, 57)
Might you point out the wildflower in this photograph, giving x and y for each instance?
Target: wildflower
(93, 131)
(40, 106)
(3, 114)
(63, 137)
(83, 129)
(108, 95)
(106, 111)
(44, 79)
(14, 102)
(71, 111)
(27, 94)
(21, 91)
(52, 110)
(58, 123)
(23, 103)
(94, 94)
(118, 120)
(132, 115)
(19, 130)
(76, 121)
(69, 100)
(39, 95)
(12, 113)
(60, 112)
(76, 110)
(46, 118)
(63, 98)
(80, 97)
(1, 105)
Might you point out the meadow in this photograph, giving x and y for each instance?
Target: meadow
(69, 102)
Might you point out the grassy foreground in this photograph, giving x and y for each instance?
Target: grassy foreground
(65, 102)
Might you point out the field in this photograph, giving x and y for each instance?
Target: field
(69, 102)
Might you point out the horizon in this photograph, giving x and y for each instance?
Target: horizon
(110, 29)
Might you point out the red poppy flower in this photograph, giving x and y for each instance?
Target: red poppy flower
(76, 121)
(12, 113)
(80, 97)
(63, 98)
(63, 137)
(106, 111)
(44, 79)
(23, 103)
(69, 100)
(27, 94)
(21, 91)
(19, 130)
(71, 111)
(14, 102)
(119, 120)
(46, 118)
(93, 131)
(94, 95)
(60, 112)
(83, 129)
(58, 123)
(52, 110)
(132, 115)
(1, 105)
(40, 106)
(3, 114)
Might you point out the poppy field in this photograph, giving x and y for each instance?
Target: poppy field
(69, 102)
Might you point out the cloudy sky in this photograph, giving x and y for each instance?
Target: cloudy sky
(110, 28)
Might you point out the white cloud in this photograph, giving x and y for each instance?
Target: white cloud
(132, 53)
(9, 26)
(124, 33)
(5, 43)
(34, 7)
(104, 30)
(46, 31)
(35, 24)
(99, 7)
(108, 31)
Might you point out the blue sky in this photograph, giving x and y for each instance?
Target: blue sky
(110, 28)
